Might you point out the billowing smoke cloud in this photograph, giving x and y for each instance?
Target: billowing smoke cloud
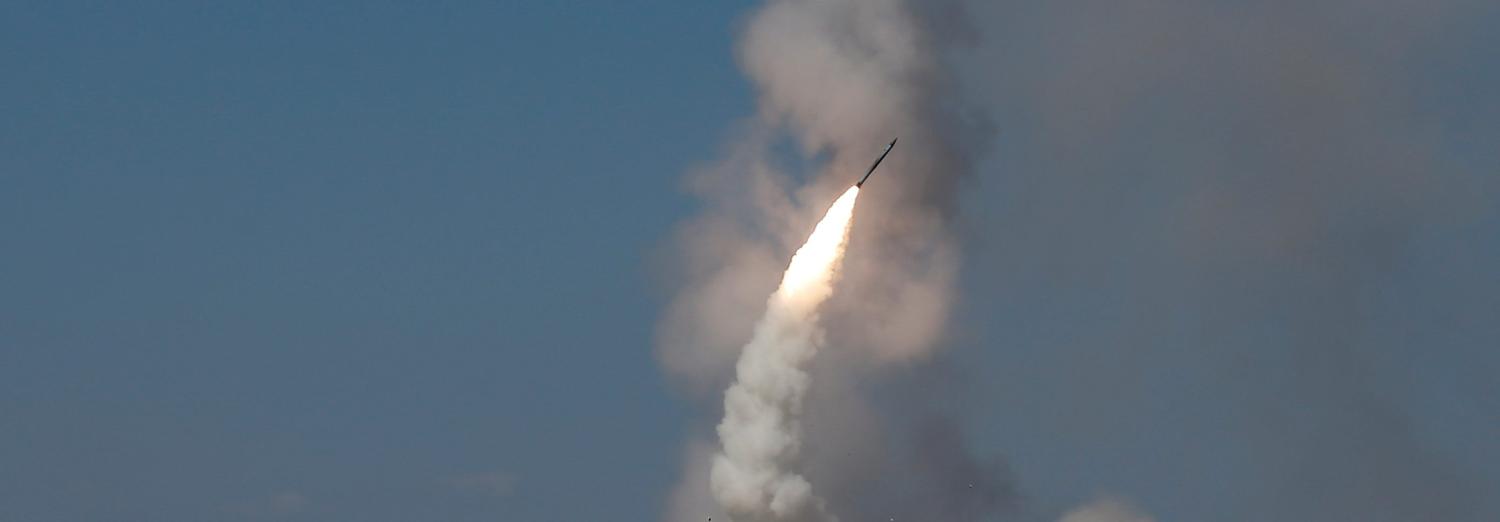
(1236, 259)
(1231, 254)
(844, 77)
(841, 78)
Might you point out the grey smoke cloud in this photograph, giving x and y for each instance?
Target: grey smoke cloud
(1239, 238)
(841, 78)
(1223, 247)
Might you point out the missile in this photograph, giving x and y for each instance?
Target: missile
(876, 164)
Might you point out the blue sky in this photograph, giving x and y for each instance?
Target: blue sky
(379, 262)
(344, 253)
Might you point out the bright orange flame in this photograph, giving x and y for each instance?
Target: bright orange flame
(809, 278)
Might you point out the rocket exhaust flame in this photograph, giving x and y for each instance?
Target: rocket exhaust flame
(760, 434)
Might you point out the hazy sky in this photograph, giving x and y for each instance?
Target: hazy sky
(375, 262)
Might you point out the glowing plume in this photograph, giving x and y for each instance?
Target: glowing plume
(752, 476)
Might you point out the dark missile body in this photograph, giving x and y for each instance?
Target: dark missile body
(876, 164)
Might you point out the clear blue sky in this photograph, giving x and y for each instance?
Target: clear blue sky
(350, 261)
(321, 261)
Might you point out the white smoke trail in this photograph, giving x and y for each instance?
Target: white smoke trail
(839, 78)
(752, 476)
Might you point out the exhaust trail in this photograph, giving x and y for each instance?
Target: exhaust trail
(753, 476)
